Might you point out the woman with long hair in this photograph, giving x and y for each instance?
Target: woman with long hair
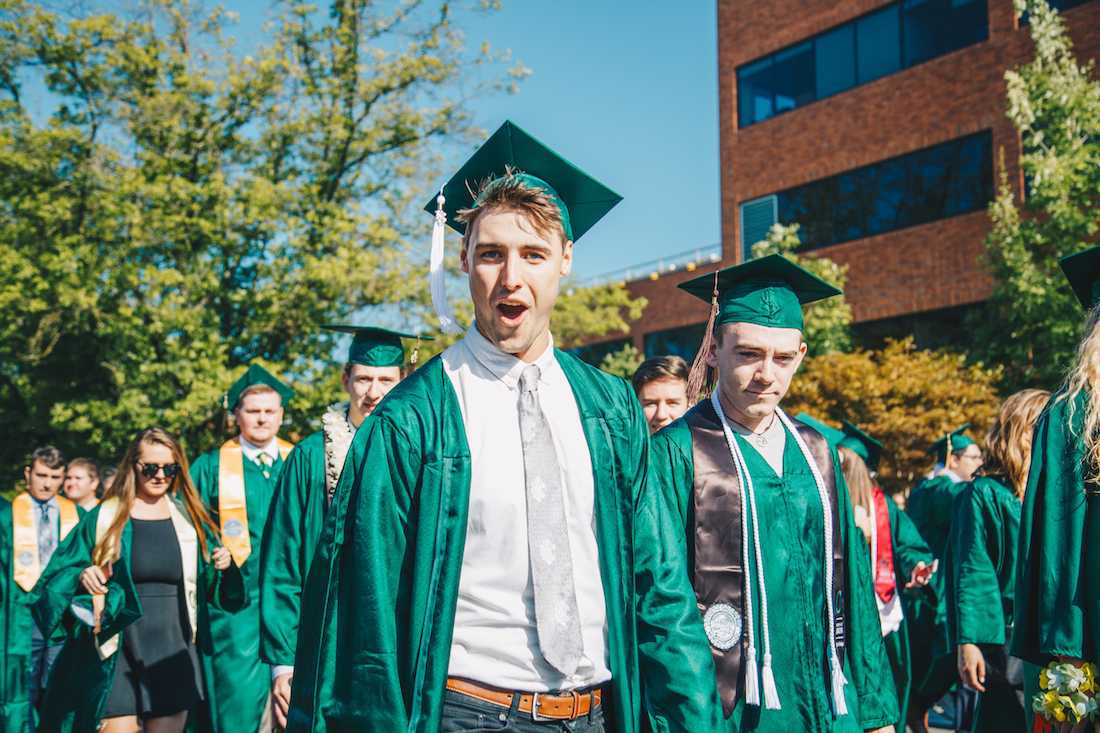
(897, 551)
(980, 565)
(130, 583)
(1058, 566)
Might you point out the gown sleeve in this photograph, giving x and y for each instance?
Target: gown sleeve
(289, 540)
(909, 547)
(678, 677)
(974, 611)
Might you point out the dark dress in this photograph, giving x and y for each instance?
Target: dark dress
(157, 672)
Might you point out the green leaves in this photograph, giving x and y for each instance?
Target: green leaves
(1032, 323)
(172, 211)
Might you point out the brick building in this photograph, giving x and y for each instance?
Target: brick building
(879, 128)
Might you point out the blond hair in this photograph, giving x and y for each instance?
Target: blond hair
(856, 474)
(124, 488)
(1084, 377)
(510, 192)
(1008, 443)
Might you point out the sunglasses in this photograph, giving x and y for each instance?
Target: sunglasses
(149, 470)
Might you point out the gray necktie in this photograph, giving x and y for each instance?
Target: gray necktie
(556, 615)
(47, 540)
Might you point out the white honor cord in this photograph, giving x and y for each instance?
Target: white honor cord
(437, 274)
(748, 495)
(837, 672)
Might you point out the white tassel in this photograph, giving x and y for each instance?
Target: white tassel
(437, 273)
(771, 694)
(752, 679)
(839, 703)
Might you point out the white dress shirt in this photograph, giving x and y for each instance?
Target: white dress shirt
(252, 452)
(495, 638)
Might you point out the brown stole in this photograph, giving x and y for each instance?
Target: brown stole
(718, 568)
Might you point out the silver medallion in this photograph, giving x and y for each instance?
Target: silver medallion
(722, 622)
(233, 528)
(25, 558)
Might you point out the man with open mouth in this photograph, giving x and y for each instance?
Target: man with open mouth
(492, 558)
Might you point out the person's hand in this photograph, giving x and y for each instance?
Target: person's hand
(971, 663)
(863, 521)
(280, 698)
(884, 729)
(94, 579)
(221, 558)
(922, 574)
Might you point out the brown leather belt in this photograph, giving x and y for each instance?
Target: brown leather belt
(539, 705)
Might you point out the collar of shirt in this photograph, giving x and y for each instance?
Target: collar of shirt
(504, 366)
(252, 452)
(51, 503)
(951, 475)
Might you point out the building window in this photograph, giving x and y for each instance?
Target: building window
(926, 185)
(892, 38)
(757, 217)
(683, 341)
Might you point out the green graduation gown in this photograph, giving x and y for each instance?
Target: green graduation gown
(791, 538)
(909, 549)
(930, 506)
(80, 681)
(16, 620)
(379, 605)
(980, 578)
(1057, 595)
(290, 540)
(237, 681)
(16, 628)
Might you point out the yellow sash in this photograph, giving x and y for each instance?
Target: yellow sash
(25, 536)
(232, 507)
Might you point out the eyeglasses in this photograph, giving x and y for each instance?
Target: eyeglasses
(149, 470)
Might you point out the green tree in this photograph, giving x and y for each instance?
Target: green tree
(828, 323)
(180, 210)
(1032, 322)
(624, 362)
(904, 396)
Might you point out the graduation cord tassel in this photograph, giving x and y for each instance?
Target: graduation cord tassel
(752, 673)
(697, 375)
(437, 273)
(840, 705)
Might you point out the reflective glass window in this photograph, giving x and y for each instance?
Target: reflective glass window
(835, 60)
(793, 77)
(682, 342)
(878, 52)
(754, 92)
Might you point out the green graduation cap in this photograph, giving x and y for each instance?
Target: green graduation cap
(832, 435)
(376, 347)
(255, 374)
(863, 445)
(581, 199)
(768, 291)
(953, 442)
(510, 151)
(1083, 272)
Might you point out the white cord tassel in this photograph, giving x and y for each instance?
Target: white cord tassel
(437, 273)
(840, 707)
(752, 678)
(771, 694)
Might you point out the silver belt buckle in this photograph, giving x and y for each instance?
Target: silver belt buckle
(535, 709)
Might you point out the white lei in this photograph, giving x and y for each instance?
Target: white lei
(338, 436)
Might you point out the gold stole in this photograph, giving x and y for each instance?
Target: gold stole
(24, 532)
(232, 507)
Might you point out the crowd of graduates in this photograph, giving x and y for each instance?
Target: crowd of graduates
(506, 538)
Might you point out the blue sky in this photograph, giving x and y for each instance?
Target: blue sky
(627, 91)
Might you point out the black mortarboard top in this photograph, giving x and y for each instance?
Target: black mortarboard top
(1083, 272)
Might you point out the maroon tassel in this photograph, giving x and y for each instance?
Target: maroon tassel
(697, 377)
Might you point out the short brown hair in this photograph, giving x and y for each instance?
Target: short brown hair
(512, 193)
(88, 465)
(660, 367)
(48, 455)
